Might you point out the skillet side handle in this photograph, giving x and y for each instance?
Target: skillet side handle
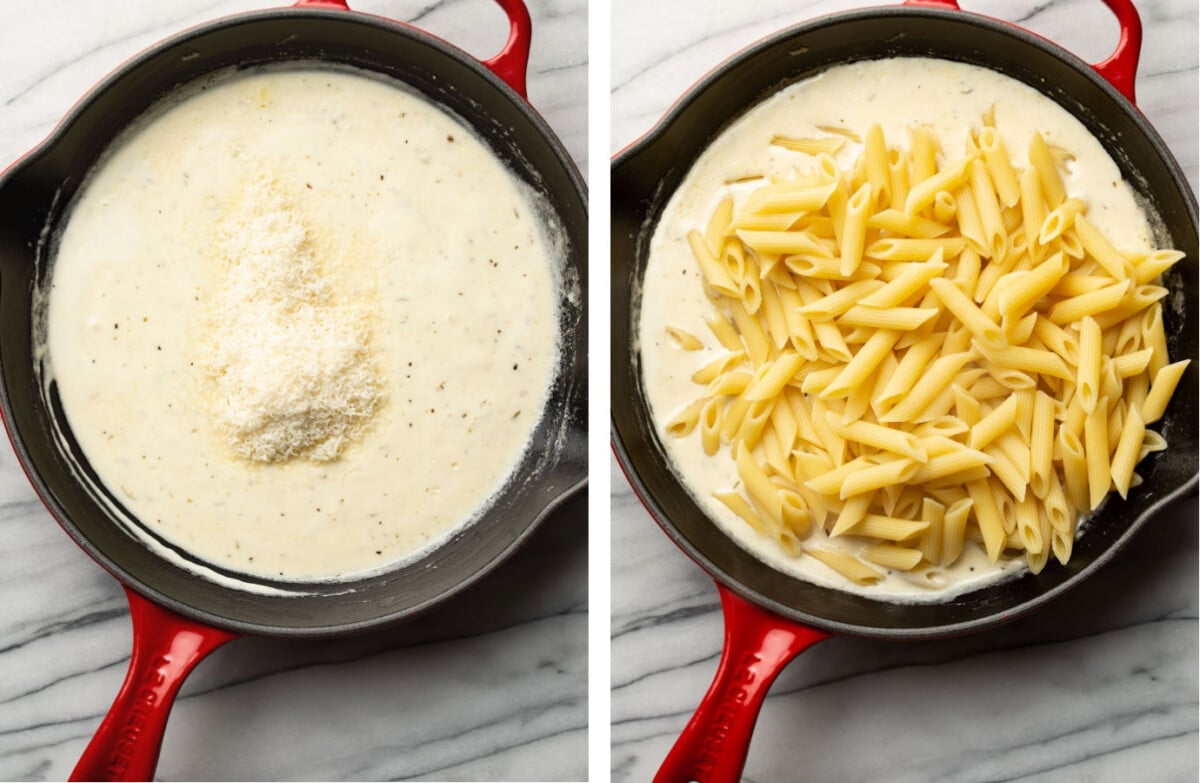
(166, 647)
(758, 644)
(512, 62)
(1120, 69)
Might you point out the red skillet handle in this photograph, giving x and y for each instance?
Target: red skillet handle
(165, 649)
(758, 644)
(1120, 69)
(511, 63)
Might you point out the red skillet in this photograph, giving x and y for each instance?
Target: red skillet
(770, 618)
(179, 617)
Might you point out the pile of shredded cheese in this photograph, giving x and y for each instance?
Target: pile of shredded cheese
(291, 369)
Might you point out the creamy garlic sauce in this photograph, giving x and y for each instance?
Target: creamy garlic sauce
(409, 215)
(897, 93)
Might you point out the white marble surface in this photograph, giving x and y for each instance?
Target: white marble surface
(1099, 686)
(491, 686)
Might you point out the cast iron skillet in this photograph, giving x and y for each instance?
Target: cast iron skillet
(770, 617)
(179, 617)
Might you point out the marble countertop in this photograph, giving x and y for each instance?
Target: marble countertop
(491, 686)
(1101, 685)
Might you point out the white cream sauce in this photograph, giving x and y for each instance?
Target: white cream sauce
(408, 213)
(897, 93)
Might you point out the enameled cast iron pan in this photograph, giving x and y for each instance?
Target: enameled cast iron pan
(179, 617)
(771, 617)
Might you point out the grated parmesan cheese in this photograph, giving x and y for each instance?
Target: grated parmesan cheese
(291, 369)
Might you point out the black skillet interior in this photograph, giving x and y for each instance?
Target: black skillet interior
(34, 193)
(645, 176)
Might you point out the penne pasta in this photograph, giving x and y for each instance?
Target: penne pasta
(738, 505)
(1033, 211)
(983, 192)
(1148, 269)
(1095, 450)
(789, 198)
(779, 372)
(685, 340)
(878, 171)
(1042, 160)
(1020, 358)
(970, 222)
(811, 146)
(854, 510)
(954, 528)
(923, 150)
(1020, 291)
(1087, 381)
(900, 558)
(846, 565)
(834, 304)
(937, 378)
(966, 311)
(1161, 389)
(945, 207)
(898, 442)
(899, 222)
(714, 273)
(987, 517)
(909, 282)
(1060, 219)
(904, 249)
(999, 166)
(854, 229)
(1100, 250)
(1129, 448)
(1041, 445)
(710, 429)
(718, 366)
(921, 194)
(859, 368)
(1076, 308)
(682, 424)
(921, 359)
(930, 543)
(724, 332)
(869, 478)
(889, 528)
(905, 319)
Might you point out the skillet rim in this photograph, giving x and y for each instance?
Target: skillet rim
(571, 466)
(627, 157)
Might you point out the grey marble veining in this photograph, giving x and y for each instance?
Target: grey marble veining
(1101, 685)
(491, 686)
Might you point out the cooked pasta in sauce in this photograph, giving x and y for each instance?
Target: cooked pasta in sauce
(303, 322)
(899, 94)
